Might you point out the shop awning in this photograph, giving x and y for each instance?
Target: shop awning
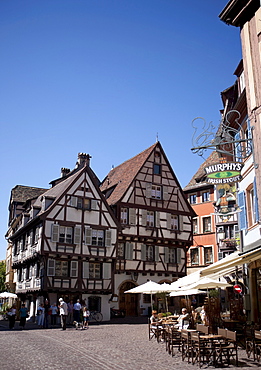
(229, 263)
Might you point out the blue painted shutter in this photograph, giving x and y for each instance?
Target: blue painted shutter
(242, 214)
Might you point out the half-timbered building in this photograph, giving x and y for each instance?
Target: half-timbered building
(65, 242)
(156, 225)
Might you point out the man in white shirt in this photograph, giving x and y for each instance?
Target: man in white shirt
(63, 312)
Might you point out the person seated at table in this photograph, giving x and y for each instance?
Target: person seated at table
(203, 316)
(154, 317)
(183, 319)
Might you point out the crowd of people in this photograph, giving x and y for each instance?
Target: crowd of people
(70, 313)
(185, 320)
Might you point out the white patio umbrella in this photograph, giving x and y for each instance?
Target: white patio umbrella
(7, 295)
(187, 292)
(208, 283)
(150, 287)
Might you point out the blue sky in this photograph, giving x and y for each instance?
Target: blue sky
(104, 77)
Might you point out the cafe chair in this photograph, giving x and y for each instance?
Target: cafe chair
(250, 341)
(257, 345)
(185, 345)
(172, 338)
(228, 350)
(201, 328)
(155, 331)
(202, 351)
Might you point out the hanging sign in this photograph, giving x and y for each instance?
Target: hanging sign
(223, 173)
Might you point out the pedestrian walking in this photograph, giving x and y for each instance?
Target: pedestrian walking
(46, 313)
(40, 315)
(70, 313)
(86, 316)
(54, 311)
(11, 316)
(77, 311)
(63, 313)
(23, 315)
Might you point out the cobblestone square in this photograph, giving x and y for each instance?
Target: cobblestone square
(121, 345)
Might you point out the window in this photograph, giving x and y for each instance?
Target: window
(174, 222)
(156, 169)
(194, 256)
(95, 271)
(156, 191)
(250, 205)
(124, 216)
(57, 268)
(97, 237)
(150, 218)
(208, 257)
(193, 198)
(149, 253)
(206, 224)
(121, 250)
(241, 82)
(205, 196)
(195, 226)
(157, 157)
(65, 234)
(172, 255)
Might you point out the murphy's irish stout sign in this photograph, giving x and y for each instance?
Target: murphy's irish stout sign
(223, 173)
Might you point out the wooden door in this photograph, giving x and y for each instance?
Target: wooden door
(128, 301)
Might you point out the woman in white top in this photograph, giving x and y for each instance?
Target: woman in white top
(40, 315)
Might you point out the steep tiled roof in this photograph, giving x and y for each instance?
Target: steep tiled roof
(21, 193)
(122, 176)
(199, 177)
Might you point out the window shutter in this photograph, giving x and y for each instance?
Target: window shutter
(165, 192)
(55, 233)
(132, 216)
(128, 251)
(220, 255)
(108, 238)
(157, 219)
(144, 217)
(242, 214)
(168, 221)
(148, 190)
(181, 222)
(156, 249)
(88, 236)
(166, 254)
(74, 269)
(238, 149)
(51, 267)
(85, 270)
(249, 137)
(255, 202)
(73, 201)
(106, 271)
(77, 235)
(178, 255)
(143, 252)
(94, 204)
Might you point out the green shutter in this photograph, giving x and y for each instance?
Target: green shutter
(55, 233)
(108, 238)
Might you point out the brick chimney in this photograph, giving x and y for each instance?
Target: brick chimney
(83, 159)
(65, 171)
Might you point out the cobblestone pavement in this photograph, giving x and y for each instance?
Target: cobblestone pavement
(119, 345)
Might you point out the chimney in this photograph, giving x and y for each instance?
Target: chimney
(64, 171)
(83, 159)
